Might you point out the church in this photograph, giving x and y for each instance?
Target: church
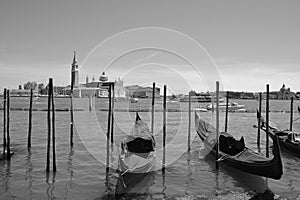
(93, 88)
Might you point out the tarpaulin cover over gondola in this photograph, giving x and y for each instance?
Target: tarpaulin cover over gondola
(137, 154)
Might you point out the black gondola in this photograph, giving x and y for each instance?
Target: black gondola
(235, 154)
(289, 140)
(137, 162)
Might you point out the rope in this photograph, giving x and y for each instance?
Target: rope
(224, 157)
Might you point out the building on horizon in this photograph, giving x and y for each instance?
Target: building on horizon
(137, 91)
(283, 94)
(23, 93)
(93, 88)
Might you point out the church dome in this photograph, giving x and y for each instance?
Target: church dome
(103, 77)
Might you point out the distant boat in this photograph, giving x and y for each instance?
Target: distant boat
(134, 100)
(200, 99)
(231, 106)
(200, 109)
(172, 101)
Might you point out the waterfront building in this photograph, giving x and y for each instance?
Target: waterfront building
(285, 93)
(93, 88)
(137, 91)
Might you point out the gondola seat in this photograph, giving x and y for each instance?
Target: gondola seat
(230, 145)
(140, 145)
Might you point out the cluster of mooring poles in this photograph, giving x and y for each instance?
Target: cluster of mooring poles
(6, 153)
(217, 119)
(110, 120)
(267, 118)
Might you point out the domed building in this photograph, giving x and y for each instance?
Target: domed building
(95, 87)
(285, 93)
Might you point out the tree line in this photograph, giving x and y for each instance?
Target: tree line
(42, 89)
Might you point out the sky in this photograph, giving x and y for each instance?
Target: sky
(243, 44)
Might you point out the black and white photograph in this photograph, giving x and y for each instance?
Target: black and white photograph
(140, 99)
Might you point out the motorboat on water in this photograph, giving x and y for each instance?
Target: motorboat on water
(234, 106)
(134, 100)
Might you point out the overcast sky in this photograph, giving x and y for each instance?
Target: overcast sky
(251, 42)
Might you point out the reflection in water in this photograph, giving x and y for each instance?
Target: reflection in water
(163, 185)
(134, 185)
(290, 185)
(291, 168)
(131, 185)
(50, 184)
(217, 180)
(6, 175)
(28, 176)
(69, 184)
(246, 181)
(26, 172)
(190, 180)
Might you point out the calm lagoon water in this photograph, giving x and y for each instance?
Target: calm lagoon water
(81, 170)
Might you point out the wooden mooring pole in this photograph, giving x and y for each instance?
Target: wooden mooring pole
(30, 120)
(4, 122)
(112, 113)
(50, 88)
(217, 124)
(72, 121)
(152, 109)
(108, 130)
(259, 120)
(226, 112)
(267, 123)
(7, 126)
(212, 104)
(90, 103)
(291, 114)
(53, 132)
(189, 126)
(164, 128)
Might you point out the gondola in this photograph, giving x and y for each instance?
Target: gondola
(235, 154)
(136, 161)
(289, 140)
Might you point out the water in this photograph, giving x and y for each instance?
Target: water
(81, 175)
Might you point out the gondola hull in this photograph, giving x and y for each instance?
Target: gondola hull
(288, 146)
(134, 184)
(266, 169)
(247, 160)
(283, 141)
(137, 163)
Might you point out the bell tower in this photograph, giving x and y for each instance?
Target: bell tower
(75, 71)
